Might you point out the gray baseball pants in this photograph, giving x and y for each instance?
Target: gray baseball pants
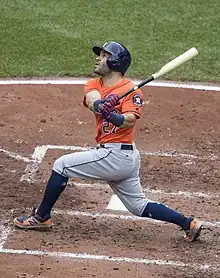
(117, 166)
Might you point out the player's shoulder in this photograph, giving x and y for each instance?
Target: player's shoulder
(130, 84)
(93, 81)
(92, 84)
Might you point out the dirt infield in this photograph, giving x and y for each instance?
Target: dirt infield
(178, 136)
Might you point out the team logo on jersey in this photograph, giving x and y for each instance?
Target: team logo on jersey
(137, 100)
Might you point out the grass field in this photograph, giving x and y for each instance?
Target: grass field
(41, 38)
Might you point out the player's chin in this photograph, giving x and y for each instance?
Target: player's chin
(97, 71)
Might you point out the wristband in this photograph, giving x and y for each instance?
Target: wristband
(96, 105)
(116, 119)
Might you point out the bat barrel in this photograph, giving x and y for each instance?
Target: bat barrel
(178, 61)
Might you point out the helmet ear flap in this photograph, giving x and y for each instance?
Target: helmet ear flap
(113, 62)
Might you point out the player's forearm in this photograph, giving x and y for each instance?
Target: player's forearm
(91, 97)
(129, 120)
(127, 123)
(122, 120)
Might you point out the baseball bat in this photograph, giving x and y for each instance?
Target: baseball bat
(178, 61)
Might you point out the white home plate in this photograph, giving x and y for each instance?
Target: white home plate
(116, 204)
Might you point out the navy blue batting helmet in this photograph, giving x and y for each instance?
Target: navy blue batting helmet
(120, 58)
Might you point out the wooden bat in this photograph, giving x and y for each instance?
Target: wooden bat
(178, 61)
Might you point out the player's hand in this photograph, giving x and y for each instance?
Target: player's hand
(102, 107)
(105, 109)
(108, 104)
(112, 100)
(96, 104)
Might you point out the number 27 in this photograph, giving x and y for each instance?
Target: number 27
(108, 128)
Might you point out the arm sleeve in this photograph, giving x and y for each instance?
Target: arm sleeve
(133, 103)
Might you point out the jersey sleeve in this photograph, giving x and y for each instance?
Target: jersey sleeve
(89, 86)
(133, 103)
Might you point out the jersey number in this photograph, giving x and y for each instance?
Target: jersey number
(108, 128)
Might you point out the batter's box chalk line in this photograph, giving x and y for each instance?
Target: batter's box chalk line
(15, 155)
(186, 194)
(5, 230)
(40, 152)
(85, 256)
(122, 217)
(116, 204)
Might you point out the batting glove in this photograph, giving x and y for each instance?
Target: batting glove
(112, 100)
(108, 104)
(96, 104)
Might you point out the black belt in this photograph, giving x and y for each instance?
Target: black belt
(123, 147)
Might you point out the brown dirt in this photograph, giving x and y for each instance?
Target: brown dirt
(174, 120)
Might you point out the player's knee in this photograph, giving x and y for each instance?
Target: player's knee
(135, 211)
(137, 207)
(57, 180)
(59, 165)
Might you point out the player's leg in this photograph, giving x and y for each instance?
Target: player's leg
(84, 165)
(81, 162)
(42, 219)
(94, 164)
(158, 211)
(130, 193)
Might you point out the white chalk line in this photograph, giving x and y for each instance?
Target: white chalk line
(172, 154)
(4, 233)
(37, 158)
(187, 194)
(121, 217)
(40, 152)
(33, 166)
(82, 81)
(15, 155)
(85, 256)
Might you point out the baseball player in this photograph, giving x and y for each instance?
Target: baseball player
(116, 159)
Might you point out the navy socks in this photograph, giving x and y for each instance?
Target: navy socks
(161, 212)
(55, 186)
(57, 183)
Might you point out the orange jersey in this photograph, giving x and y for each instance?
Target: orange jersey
(106, 132)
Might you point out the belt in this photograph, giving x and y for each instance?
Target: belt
(126, 147)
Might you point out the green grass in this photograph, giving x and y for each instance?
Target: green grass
(45, 37)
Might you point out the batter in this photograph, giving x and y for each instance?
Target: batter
(116, 159)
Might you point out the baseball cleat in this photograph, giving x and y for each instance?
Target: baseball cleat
(194, 231)
(33, 221)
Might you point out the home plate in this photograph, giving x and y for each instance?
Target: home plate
(116, 204)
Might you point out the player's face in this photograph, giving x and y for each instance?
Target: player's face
(101, 67)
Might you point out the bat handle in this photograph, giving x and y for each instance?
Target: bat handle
(141, 84)
(127, 92)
